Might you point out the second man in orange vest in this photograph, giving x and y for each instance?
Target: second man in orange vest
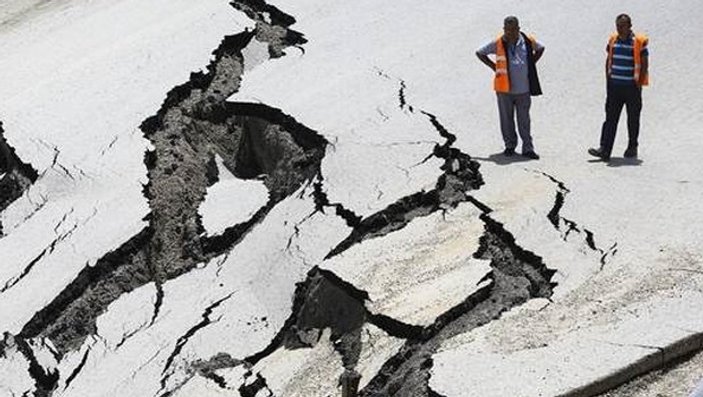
(626, 72)
(515, 82)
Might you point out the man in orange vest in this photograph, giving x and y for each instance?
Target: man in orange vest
(516, 55)
(626, 70)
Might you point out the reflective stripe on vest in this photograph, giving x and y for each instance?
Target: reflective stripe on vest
(639, 42)
(501, 82)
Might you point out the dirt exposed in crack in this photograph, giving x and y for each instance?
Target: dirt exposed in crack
(254, 141)
(272, 25)
(318, 303)
(15, 175)
(70, 317)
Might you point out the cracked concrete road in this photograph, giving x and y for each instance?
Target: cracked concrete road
(376, 259)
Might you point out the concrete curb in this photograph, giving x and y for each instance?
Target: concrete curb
(658, 360)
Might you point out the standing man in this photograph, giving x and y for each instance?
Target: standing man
(626, 70)
(515, 81)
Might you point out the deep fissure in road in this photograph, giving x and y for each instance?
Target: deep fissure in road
(194, 125)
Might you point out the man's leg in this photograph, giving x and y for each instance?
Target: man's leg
(506, 111)
(613, 107)
(633, 103)
(522, 105)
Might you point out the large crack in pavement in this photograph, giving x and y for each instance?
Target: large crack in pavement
(15, 175)
(70, 317)
(194, 125)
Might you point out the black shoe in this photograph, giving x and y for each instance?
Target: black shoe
(508, 152)
(598, 153)
(630, 153)
(531, 155)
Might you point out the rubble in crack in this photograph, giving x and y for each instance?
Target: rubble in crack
(195, 124)
(70, 318)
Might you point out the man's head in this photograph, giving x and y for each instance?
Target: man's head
(623, 24)
(511, 29)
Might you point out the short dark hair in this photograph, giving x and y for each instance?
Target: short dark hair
(511, 20)
(625, 17)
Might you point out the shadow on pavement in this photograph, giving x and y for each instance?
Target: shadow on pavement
(501, 159)
(619, 162)
(623, 162)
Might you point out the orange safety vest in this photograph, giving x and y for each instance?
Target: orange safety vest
(501, 83)
(639, 42)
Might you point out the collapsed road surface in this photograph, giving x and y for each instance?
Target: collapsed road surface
(307, 215)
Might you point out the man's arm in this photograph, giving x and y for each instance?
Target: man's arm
(644, 68)
(486, 60)
(607, 55)
(606, 67)
(538, 53)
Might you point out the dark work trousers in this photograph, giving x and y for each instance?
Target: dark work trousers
(508, 106)
(629, 96)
